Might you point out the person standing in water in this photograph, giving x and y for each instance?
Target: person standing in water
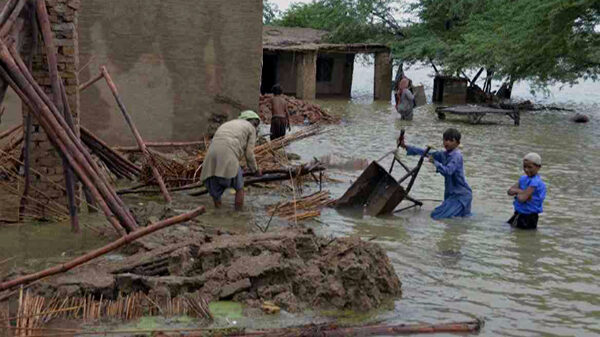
(529, 194)
(449, 163)
(280, 120)
(405, 100)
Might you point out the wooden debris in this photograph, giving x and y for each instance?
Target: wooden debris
(120, 166)
(103, 250)
(150, 159)
(309, 205)
(16, 74)
(34, 312)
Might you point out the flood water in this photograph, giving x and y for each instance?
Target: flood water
(523, 283)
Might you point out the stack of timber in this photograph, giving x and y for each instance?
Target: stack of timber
(303, 208)
(298, 109)
(120, 166)
(185, 174)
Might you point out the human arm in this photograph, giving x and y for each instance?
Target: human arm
(448, 169)
(525, 195)
(514, 190)
(250, 158)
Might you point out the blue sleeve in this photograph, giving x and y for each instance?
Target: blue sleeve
(416, 151)
(447, 170)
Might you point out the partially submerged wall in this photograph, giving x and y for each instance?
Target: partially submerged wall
(181, 66)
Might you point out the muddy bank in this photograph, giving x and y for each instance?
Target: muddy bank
(293, 268)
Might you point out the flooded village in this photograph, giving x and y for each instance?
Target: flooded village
(221, 168)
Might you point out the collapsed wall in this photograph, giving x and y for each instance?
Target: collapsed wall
(294, 268)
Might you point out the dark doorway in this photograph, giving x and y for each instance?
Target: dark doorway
(324, 68)
(269, 73)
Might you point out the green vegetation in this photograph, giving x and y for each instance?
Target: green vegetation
(542, 41)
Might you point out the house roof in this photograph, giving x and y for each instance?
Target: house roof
(308, 39)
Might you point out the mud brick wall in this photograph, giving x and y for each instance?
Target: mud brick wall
(44, 158)
(182, 67)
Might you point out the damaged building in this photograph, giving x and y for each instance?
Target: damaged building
(307, 67)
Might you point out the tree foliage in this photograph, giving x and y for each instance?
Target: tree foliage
(348, 21)
(543, 41)
(270, 12)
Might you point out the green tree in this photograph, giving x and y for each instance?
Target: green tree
(270, 12)
(544, 41)
(348, 21)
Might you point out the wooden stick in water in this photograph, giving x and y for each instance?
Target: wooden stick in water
(103, 250)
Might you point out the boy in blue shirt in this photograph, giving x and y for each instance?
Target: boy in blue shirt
(449, 163)
(529, 194)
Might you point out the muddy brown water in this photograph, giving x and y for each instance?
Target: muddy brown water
(523, 283)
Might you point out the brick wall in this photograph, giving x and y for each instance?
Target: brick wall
(44, 158)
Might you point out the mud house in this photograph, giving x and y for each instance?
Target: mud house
(307, 67)
(182, 67)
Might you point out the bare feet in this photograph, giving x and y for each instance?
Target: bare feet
(217, 203)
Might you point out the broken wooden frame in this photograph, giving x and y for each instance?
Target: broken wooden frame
(378, 192)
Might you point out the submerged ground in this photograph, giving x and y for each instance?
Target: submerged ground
(523, 283)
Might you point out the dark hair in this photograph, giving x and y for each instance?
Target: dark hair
(277, 89)
(452, 134)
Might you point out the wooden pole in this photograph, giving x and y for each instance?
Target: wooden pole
(10, 21)
(26, 161)
(59, 126)
(137, 135)
(90, 82)
(103, 250)
(55, 82)
(55, 133)
(6, 10)
(10, 131)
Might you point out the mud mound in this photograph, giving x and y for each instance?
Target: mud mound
(293, 268)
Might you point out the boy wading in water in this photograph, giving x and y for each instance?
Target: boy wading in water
(280, 119)
(449, 163)
(529, 194)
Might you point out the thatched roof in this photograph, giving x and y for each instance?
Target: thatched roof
(308, 39)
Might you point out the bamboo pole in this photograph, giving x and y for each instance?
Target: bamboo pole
(10, 131)
(53, 135)
(87, 163)
(138, 137)
(85, 133)
(57, 129)
(6, 10)
(103, 250)
(91, 82)
(10, 21)
(159, 144)
(57, 90)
